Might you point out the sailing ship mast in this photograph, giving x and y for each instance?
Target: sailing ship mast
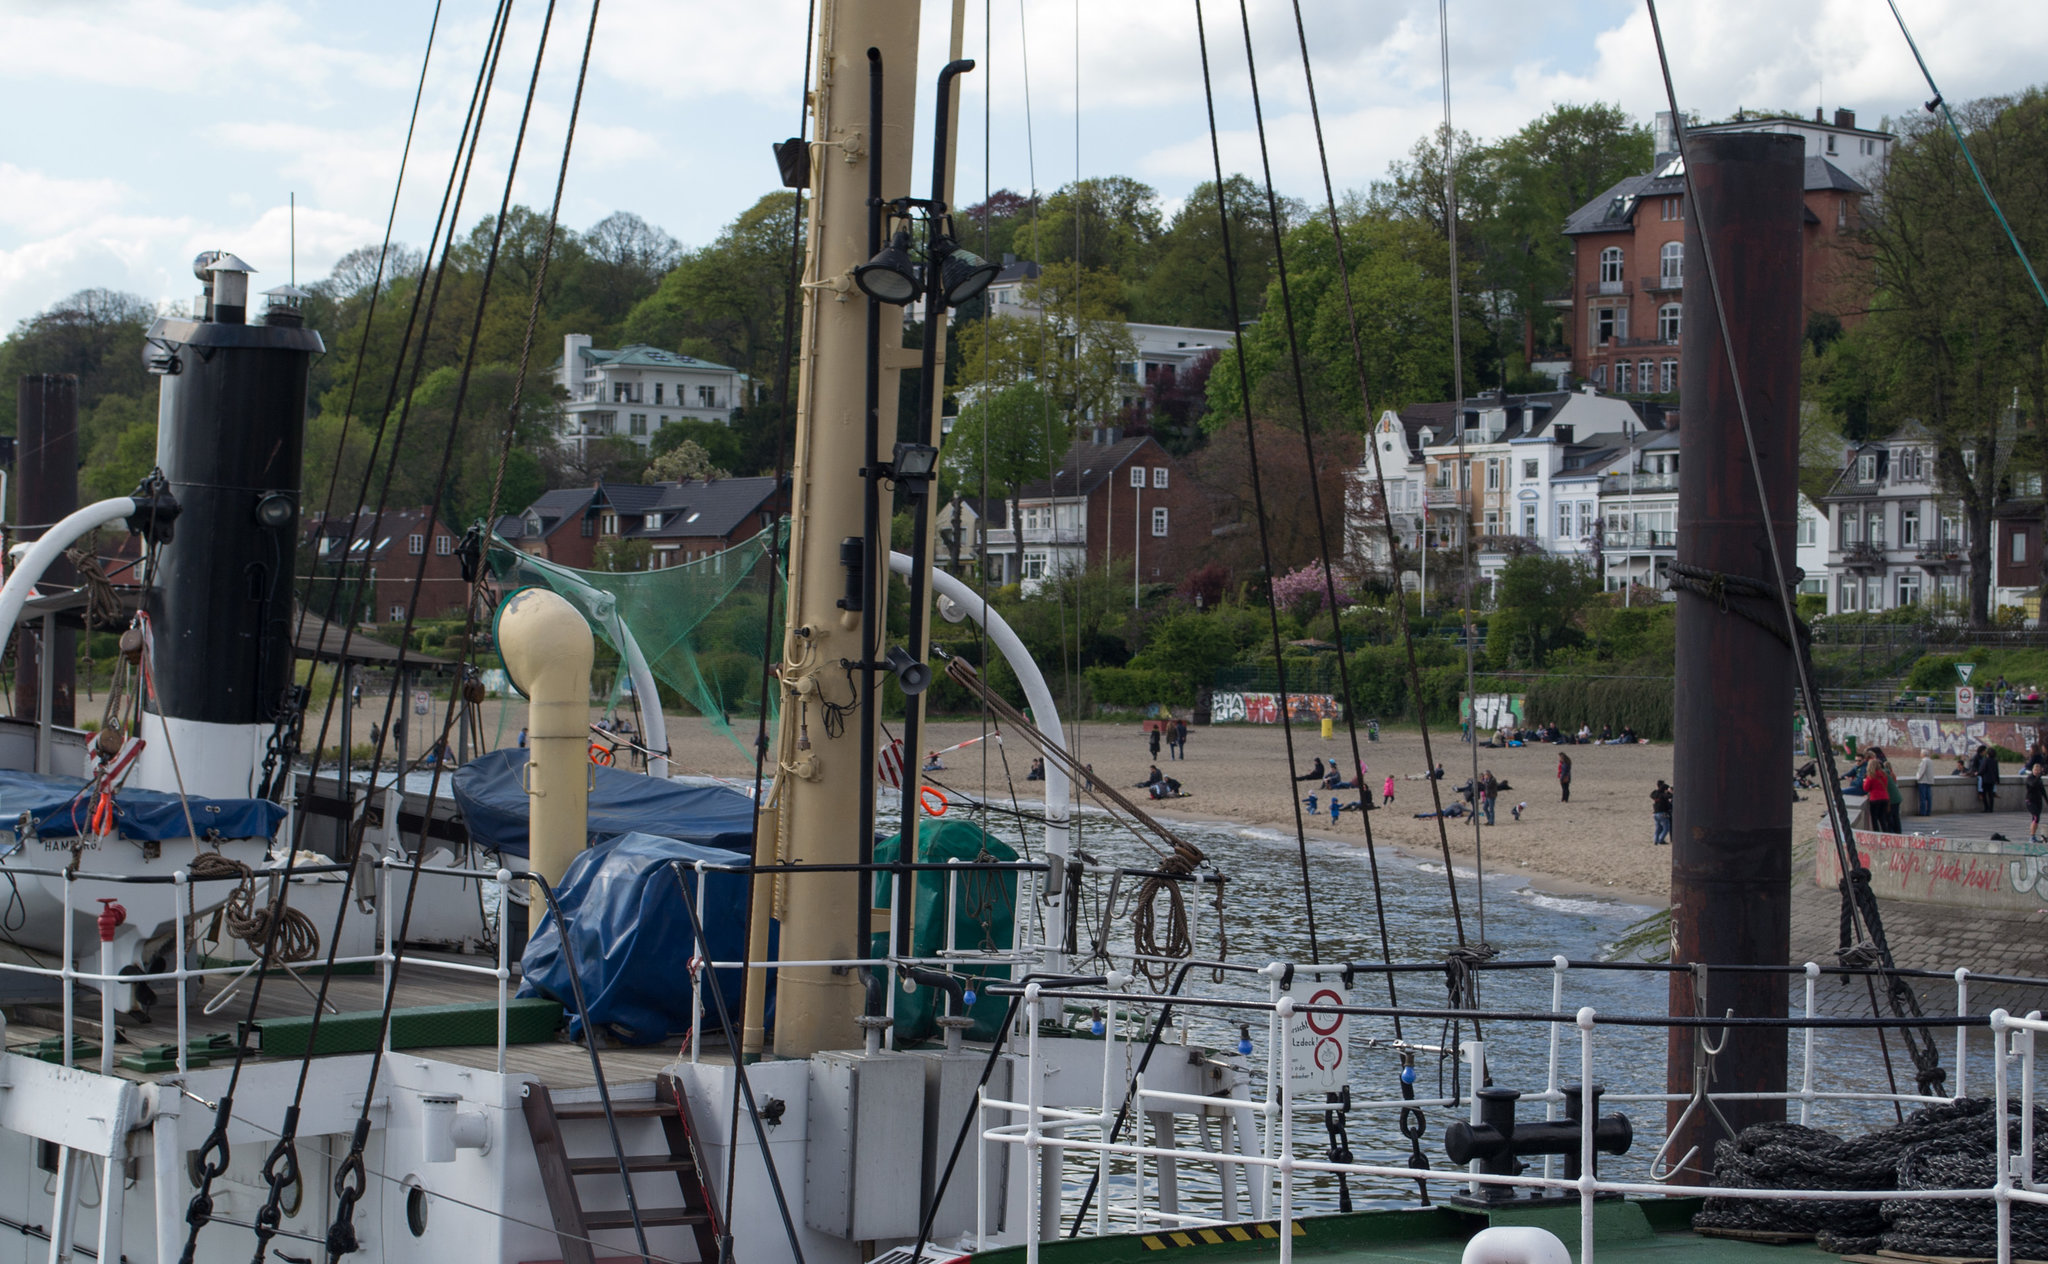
(817, 811)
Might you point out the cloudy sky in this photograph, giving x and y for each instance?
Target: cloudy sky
(147, 130)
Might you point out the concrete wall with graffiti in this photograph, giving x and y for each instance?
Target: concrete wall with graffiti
(1496, 710)
(1967, 873)
(1264, 708)
(1943, 736)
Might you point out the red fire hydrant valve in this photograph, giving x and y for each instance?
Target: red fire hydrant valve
(111, 916)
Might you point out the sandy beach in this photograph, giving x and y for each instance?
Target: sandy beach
(1601, 839)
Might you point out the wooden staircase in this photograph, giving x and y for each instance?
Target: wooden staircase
(559, 1171)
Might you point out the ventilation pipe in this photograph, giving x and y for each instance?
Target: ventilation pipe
(548, 652)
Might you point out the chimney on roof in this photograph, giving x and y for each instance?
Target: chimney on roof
(1666, 133)
(1816, 115)
(1845, 118)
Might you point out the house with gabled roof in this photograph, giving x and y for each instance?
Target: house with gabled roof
(385, 562)
(636, 390)
(679, 522)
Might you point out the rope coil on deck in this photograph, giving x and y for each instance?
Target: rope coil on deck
(298, 939)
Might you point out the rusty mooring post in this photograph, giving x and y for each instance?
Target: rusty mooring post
(46, 482)
(1732, 846)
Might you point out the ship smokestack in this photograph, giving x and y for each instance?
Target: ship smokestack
(231, 423)
(46, 471)
(1731, 852)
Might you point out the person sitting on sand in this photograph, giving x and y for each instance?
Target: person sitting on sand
(1166, 788)
(932, 763)
(1315, 772)
(1037, 772)
(1152, 778)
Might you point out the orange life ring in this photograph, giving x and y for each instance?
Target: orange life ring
(600, 754)
(934, 793)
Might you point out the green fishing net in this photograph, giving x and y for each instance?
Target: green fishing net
(702, 626)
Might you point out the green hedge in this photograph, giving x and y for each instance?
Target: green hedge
(1569, 701)
(1137, 687)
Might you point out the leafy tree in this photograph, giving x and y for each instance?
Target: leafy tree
(1224, 469)
(724, 302)
(1188, 284)
(1003, 440)
(721, 444)
(1076, 351)
(1538, 598)
(1956, 337)
(96, 334)
(999, 226)
(684, 462)
(1106, 223)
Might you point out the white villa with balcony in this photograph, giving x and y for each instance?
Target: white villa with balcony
(635, 391)
(1897, 539)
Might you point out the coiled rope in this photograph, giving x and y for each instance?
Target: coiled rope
(1950, 1146)
(298, 939)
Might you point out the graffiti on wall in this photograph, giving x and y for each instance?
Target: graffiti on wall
(1264, 708)
(1493, 710)
(1933, 733)
(1966, 873)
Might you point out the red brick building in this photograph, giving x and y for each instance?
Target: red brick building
(376, 558)
(677, 522)
(1630, 266)
(1111, 500)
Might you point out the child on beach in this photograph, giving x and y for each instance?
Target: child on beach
(1387, 793)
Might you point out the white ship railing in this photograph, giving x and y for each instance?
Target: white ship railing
(1040, 1131)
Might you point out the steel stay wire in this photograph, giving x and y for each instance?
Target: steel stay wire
(200, 1208)
(1315, 497)
(1251, 444)
(1857, 897)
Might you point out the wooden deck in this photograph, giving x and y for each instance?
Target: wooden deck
(560, 1063)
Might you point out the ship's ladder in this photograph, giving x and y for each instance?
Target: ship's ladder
(559, 1171)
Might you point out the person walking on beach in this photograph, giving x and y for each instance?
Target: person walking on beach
(1489, 790)
(1180, 739)
(1660, 814)
(1387, 791)
(1564, 776)
(1152, 740)
(1923, 778)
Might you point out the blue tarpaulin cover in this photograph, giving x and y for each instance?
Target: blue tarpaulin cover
(631, 934)
(493, 804)
(62, 807)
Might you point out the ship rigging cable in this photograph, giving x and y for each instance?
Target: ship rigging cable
(1251, 444)
(213, 1154)
(1858, 901)
(1315, 490)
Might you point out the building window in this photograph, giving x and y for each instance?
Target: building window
(653, 522)
(1667, 323)
(1137, 476)
(1159, 478)
(443, 545)
(1909, 526)
(1493, 522)
(636, 423)
(1034, 565)
(2019, 546)
(1866, 468)
(415, 544)
(1670, 376)
(1849, 594)
(1643, 377)
(1671, 263)
(1877, 527)
(1493, 473)
(589, 527)
(1873, 596)
(618, 392)
(1609, 323)
(1159, 521)
(1808, 530)
(1852, 526)
(657, 392)
(707, 397)
(1529, 521)
(1600, 375)
(1841, 215)
(1610, 265)
(396, 614)
(1909, 590)
(1624, 377)
(1585, 519)
(611, 524)
(1564, 521)
(1529, 474)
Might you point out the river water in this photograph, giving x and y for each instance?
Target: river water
(1265, 911)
